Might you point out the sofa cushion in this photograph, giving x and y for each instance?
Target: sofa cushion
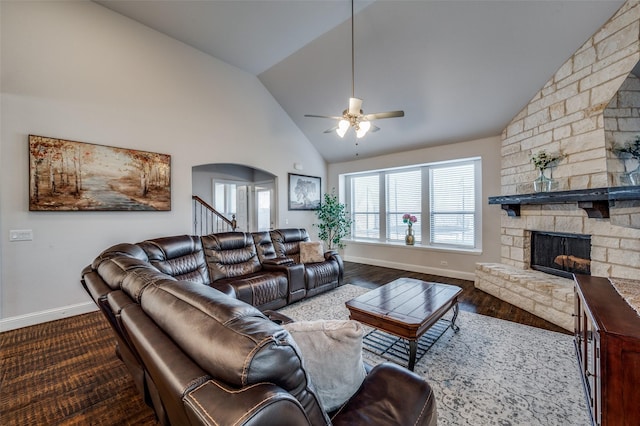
(180, 256)
(266, 290)
(286, 242)
(264, 245)
(332, 355)
(311, 252)
(230, 254)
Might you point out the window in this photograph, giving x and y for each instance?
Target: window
(453, 204)
(404, 195)
(224, 197)
(444, 197)
(365, 200)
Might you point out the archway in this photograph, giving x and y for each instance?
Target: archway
(236, 189)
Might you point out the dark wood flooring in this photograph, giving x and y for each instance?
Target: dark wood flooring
(66, 372)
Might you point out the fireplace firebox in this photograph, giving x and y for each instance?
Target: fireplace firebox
(561, 254)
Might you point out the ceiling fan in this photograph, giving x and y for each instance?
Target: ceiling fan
(353, 115)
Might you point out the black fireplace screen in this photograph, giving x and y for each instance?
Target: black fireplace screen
(561, 254)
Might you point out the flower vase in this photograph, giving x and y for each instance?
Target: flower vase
(542, 183)
(409, 239)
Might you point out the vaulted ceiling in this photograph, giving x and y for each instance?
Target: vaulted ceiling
(461, 70)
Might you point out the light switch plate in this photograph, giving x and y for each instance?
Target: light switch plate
(20, 235)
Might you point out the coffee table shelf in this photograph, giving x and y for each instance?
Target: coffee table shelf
(396, 349)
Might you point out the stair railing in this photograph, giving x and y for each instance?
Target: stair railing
(207, 220)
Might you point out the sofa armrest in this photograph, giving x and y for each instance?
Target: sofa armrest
(390, 395)
(333, 255)
(213, 403)
(295, 278)
(330, 253)
(277, 261)
(225, 288)
(94, 285)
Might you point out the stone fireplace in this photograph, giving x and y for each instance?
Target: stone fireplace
(592, 101)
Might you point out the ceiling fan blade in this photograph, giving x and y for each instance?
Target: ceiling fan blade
(323, 116)
(355, 106)
(374, 128)
(331, 130)
(381, 115)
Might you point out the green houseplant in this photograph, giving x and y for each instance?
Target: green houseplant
(334, 222)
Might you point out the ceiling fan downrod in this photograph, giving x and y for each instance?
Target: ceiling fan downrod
(353, 115)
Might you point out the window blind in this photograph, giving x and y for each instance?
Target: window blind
(365, 200)
(452, 201)
(404, 196)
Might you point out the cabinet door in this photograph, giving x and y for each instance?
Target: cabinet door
(578, 329)
(597, 380)
(592, 367)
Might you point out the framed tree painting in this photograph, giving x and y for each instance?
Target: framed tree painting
(76, 176)
(304, 192)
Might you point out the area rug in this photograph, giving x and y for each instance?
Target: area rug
(493, 372)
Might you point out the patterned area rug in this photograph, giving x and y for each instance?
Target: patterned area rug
(492, 372)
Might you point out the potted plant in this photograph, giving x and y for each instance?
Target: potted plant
(630, 149)
(334, 221)
(541, 161)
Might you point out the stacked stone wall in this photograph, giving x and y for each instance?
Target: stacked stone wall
(568, 115)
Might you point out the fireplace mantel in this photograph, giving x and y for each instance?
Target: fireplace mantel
(595, 202)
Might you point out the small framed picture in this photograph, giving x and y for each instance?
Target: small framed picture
(304, 192)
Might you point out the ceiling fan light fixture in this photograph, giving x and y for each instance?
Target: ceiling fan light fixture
(362, 129)
(343, 126)
(353, 115)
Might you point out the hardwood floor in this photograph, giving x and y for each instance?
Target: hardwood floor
(66, 372)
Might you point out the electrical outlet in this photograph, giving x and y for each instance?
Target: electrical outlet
(20, 235)
(444, 263)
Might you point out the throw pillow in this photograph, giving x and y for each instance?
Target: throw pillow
(311, 252)
(332, 355)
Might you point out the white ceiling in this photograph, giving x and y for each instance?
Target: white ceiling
(461, 70)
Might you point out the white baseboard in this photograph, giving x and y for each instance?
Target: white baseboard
(34, 318)
(413, 268)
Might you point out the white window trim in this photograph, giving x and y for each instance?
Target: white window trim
(425, 227)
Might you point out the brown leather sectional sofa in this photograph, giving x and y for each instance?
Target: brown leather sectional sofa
(187, 315)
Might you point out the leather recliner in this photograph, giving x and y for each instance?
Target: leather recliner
(239, 368)
(318, 277)
(232, 259)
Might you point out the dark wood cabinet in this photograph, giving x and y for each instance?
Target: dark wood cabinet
(607, 339)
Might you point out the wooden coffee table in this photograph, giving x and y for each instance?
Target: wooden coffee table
(406, 308)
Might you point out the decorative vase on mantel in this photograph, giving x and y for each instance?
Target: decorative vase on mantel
(409, 239)
(542, 183)
(634, 176)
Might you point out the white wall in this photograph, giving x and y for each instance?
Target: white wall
(75, 70)
(428, 260)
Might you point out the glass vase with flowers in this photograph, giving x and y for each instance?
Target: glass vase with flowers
(409, 219)
(542, 161)
(630, 150)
